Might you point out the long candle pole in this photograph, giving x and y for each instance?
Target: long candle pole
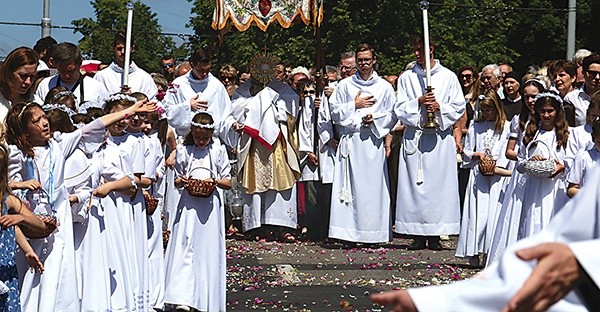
(128, 46)
(430, 123)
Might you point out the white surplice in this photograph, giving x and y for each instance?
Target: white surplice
(428, 201)
(576, 225)
(483, 192)
(56, 289)
(580, 139)
(195, 257)
(179, 113)
(306, 133)
(360, 200)
(265, 115)
(139, 80)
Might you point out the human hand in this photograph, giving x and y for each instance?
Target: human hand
(34, 262)
(328, 91)
(237, 127)
(537, 157)
(170, 161)
(73, 199)
(317, 102)
(31, 185)
(101, 191)
(363, 101)
(367, 119)
(558, 169)
(197, 104)
(556, 273)
(9, 220)
(333, 143)
(144, 107)
(313, 159)
(397, 300)
(126, 90)
(428, 97)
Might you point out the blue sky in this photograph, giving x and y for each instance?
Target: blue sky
(172, 15)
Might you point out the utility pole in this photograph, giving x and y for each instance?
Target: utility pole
(571, 29)
(46, 20)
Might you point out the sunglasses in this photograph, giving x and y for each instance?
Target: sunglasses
(228, 78)
(593, 73)
(467, 76)
(307, 92)
(168, 65)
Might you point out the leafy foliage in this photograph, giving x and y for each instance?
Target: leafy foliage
(466, 32)
(111, 16)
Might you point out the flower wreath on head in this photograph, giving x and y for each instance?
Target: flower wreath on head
(61, 107)
(203, 126)
(63, 93)
(118, 97)
(550, 95)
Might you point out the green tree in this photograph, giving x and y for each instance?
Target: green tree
(467, 32)
(111, 16)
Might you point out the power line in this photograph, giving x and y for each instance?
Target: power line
(77, 28)
(504, 8)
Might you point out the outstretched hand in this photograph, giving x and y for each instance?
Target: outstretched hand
(557, 272)
(396, 300)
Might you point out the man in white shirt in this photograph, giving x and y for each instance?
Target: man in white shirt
(66, 58)
(580, 98)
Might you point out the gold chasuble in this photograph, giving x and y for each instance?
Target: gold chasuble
(277, 168)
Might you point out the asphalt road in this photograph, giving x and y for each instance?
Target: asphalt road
(306, 276)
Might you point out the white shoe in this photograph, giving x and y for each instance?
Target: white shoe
(183, 308)
(444, 237)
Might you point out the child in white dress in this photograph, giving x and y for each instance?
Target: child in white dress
(486, 138)
(195, 257)
(534, 199)
(37, 162)
(584, 161)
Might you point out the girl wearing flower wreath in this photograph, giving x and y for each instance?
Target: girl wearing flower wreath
(486, 140)
(195, 257)
(37, 165)
(535, 199)
(13, 212)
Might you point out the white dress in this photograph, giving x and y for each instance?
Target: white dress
(576, 225)
(428, 201)
(195, 257)
(483, 192)
(533, 201)
(78, 172)
(156, 264)
(360, 200)
(133, 261)
(56, 289)
(584, 162)
(98, 281)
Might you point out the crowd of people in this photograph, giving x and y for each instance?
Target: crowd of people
(117, 193)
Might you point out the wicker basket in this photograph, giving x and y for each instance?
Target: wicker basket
(50, 223)
(151, 203)
(539, 168)
(201, 188)
(487, 164)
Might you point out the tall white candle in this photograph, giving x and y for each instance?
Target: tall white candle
(426, 47)
(128, 45)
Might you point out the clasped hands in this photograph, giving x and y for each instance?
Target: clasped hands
(428, 100)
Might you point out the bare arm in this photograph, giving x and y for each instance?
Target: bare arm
(32, 258)
(510, 153)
